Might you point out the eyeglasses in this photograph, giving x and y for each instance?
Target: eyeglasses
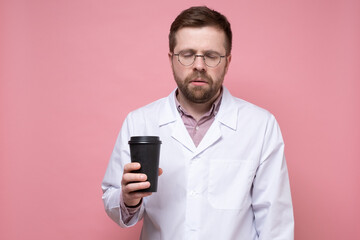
(187, 58)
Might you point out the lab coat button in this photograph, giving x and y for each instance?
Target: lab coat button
(193, 194)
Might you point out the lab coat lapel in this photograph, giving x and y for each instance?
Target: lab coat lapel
(172, 116)
(227, 115)
(228, 112)
(211, 136)
(180, 133)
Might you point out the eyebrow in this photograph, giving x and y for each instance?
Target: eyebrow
(193, 50)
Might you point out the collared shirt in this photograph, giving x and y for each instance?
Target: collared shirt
(198, 129)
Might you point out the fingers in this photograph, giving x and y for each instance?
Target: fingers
(135, 186)
(131, 167)
(132, 182)
(133, 177)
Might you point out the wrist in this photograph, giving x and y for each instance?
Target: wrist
(135, 206)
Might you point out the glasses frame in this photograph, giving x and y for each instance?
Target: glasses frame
(198, 55)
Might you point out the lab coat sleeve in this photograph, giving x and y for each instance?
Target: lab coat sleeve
(271, 197)
(111, 185)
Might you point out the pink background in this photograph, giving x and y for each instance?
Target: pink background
(71, 70)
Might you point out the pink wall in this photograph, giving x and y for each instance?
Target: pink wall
(71, 70)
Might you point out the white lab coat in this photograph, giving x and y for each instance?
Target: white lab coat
(234, 185)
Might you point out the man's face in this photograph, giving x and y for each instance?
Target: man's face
(199, 83)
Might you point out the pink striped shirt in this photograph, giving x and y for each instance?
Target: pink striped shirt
(198, 129)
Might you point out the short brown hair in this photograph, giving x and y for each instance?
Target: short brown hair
(200, 17)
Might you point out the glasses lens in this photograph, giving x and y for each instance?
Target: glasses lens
(186, 58)
(212, 59)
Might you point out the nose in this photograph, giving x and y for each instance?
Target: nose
(199, 63)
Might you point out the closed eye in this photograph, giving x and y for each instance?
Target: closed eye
(212, 55)
(187, 54)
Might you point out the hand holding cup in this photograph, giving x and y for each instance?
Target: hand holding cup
(140, 177)
(133, 183)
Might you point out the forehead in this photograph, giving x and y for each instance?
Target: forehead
(201, 39)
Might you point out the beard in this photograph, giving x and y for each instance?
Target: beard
(199, 94)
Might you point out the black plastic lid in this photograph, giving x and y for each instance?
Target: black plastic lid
(144, 139)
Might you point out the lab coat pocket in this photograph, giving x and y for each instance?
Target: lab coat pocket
(230, 183)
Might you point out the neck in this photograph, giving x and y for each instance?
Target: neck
(196, 110)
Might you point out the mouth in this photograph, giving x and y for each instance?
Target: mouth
(198, 82)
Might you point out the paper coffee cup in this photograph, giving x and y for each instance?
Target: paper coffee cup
(146, 151)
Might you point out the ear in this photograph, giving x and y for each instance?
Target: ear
(170, 55)
(228, 58)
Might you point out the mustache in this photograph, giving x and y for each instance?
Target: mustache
(198, 74)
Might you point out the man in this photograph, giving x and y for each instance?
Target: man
(223, 171)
